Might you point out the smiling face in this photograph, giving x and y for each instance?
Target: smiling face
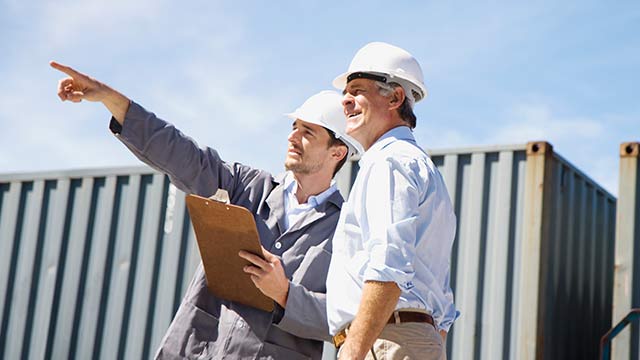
(309, 151)
(367, 111)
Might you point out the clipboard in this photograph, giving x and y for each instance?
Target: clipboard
(222, 230)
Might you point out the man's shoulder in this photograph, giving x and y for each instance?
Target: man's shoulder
(409, 158)
(250, 187)
(247, 172)
(402, 146)
(405, 153)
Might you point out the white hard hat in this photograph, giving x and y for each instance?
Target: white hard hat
(325, 109)
(387, 63)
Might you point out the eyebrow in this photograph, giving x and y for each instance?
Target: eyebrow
(296, 124)
(309, 129)
(353, 88)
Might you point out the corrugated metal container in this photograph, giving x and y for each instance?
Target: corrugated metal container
(532, 264)
(627, 267)
(93, 264)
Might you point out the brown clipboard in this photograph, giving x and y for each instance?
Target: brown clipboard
(222, 230)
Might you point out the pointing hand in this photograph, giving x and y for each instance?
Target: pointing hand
(78, 86)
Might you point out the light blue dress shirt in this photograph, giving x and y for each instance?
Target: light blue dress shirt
(295, 211)
(397, 225)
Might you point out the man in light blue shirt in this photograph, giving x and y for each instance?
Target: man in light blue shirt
(388, 293)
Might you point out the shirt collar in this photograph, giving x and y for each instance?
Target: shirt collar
(291, 185)
(393, 135)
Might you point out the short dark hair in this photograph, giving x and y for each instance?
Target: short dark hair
(405, 110)
(334, 141)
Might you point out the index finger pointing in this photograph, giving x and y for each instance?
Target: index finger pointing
(65, 69)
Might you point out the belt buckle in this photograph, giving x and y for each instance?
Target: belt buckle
(339, 339)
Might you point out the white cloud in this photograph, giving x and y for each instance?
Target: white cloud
(67, 22)
(583, 140)
(537, 121)
(589, 143)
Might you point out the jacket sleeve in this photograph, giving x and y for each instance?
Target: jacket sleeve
(160, 145)
(306, 314)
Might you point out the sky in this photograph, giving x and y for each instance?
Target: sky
(225, 72)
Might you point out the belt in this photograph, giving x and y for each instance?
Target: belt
(396, 318)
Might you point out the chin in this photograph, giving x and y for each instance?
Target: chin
(288, 165)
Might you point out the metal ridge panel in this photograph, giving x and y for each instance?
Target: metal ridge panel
(474, 149)
(76, 173)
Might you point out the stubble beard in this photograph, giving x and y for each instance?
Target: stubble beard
(301, 167)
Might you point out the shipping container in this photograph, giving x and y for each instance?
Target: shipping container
(626, 296)
(93, 264)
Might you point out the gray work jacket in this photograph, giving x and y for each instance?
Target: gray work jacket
(206, 327)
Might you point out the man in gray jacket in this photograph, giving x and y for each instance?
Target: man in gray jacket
(296, 214)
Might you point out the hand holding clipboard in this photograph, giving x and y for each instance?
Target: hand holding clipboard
(222, 231)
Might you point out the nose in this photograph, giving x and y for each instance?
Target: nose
(347, 100)
(294, 136)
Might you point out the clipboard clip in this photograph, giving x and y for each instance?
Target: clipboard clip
(220, 196)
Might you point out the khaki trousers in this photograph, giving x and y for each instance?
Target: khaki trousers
(409, 341)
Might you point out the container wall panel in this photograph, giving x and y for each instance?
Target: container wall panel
(626, 345)
(577, 249)
(486, 189)
(93, 264)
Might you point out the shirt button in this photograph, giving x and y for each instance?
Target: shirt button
(278, 245)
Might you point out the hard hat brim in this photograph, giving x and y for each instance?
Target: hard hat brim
(340, 82)
(355, 148)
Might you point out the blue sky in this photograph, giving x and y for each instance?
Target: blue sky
(225, 72)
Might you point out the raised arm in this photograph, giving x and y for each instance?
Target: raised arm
(78, 86)
(154, 141)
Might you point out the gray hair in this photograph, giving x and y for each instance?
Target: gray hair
(406, 109)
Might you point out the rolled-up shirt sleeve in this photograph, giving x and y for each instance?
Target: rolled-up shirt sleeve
(450, 314)
(389, 224)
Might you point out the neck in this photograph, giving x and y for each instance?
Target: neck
(386, 125)
(310, 185)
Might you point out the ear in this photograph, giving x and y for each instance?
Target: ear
(338, 152)
(397, 98)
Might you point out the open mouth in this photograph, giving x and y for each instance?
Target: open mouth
(353, 115)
